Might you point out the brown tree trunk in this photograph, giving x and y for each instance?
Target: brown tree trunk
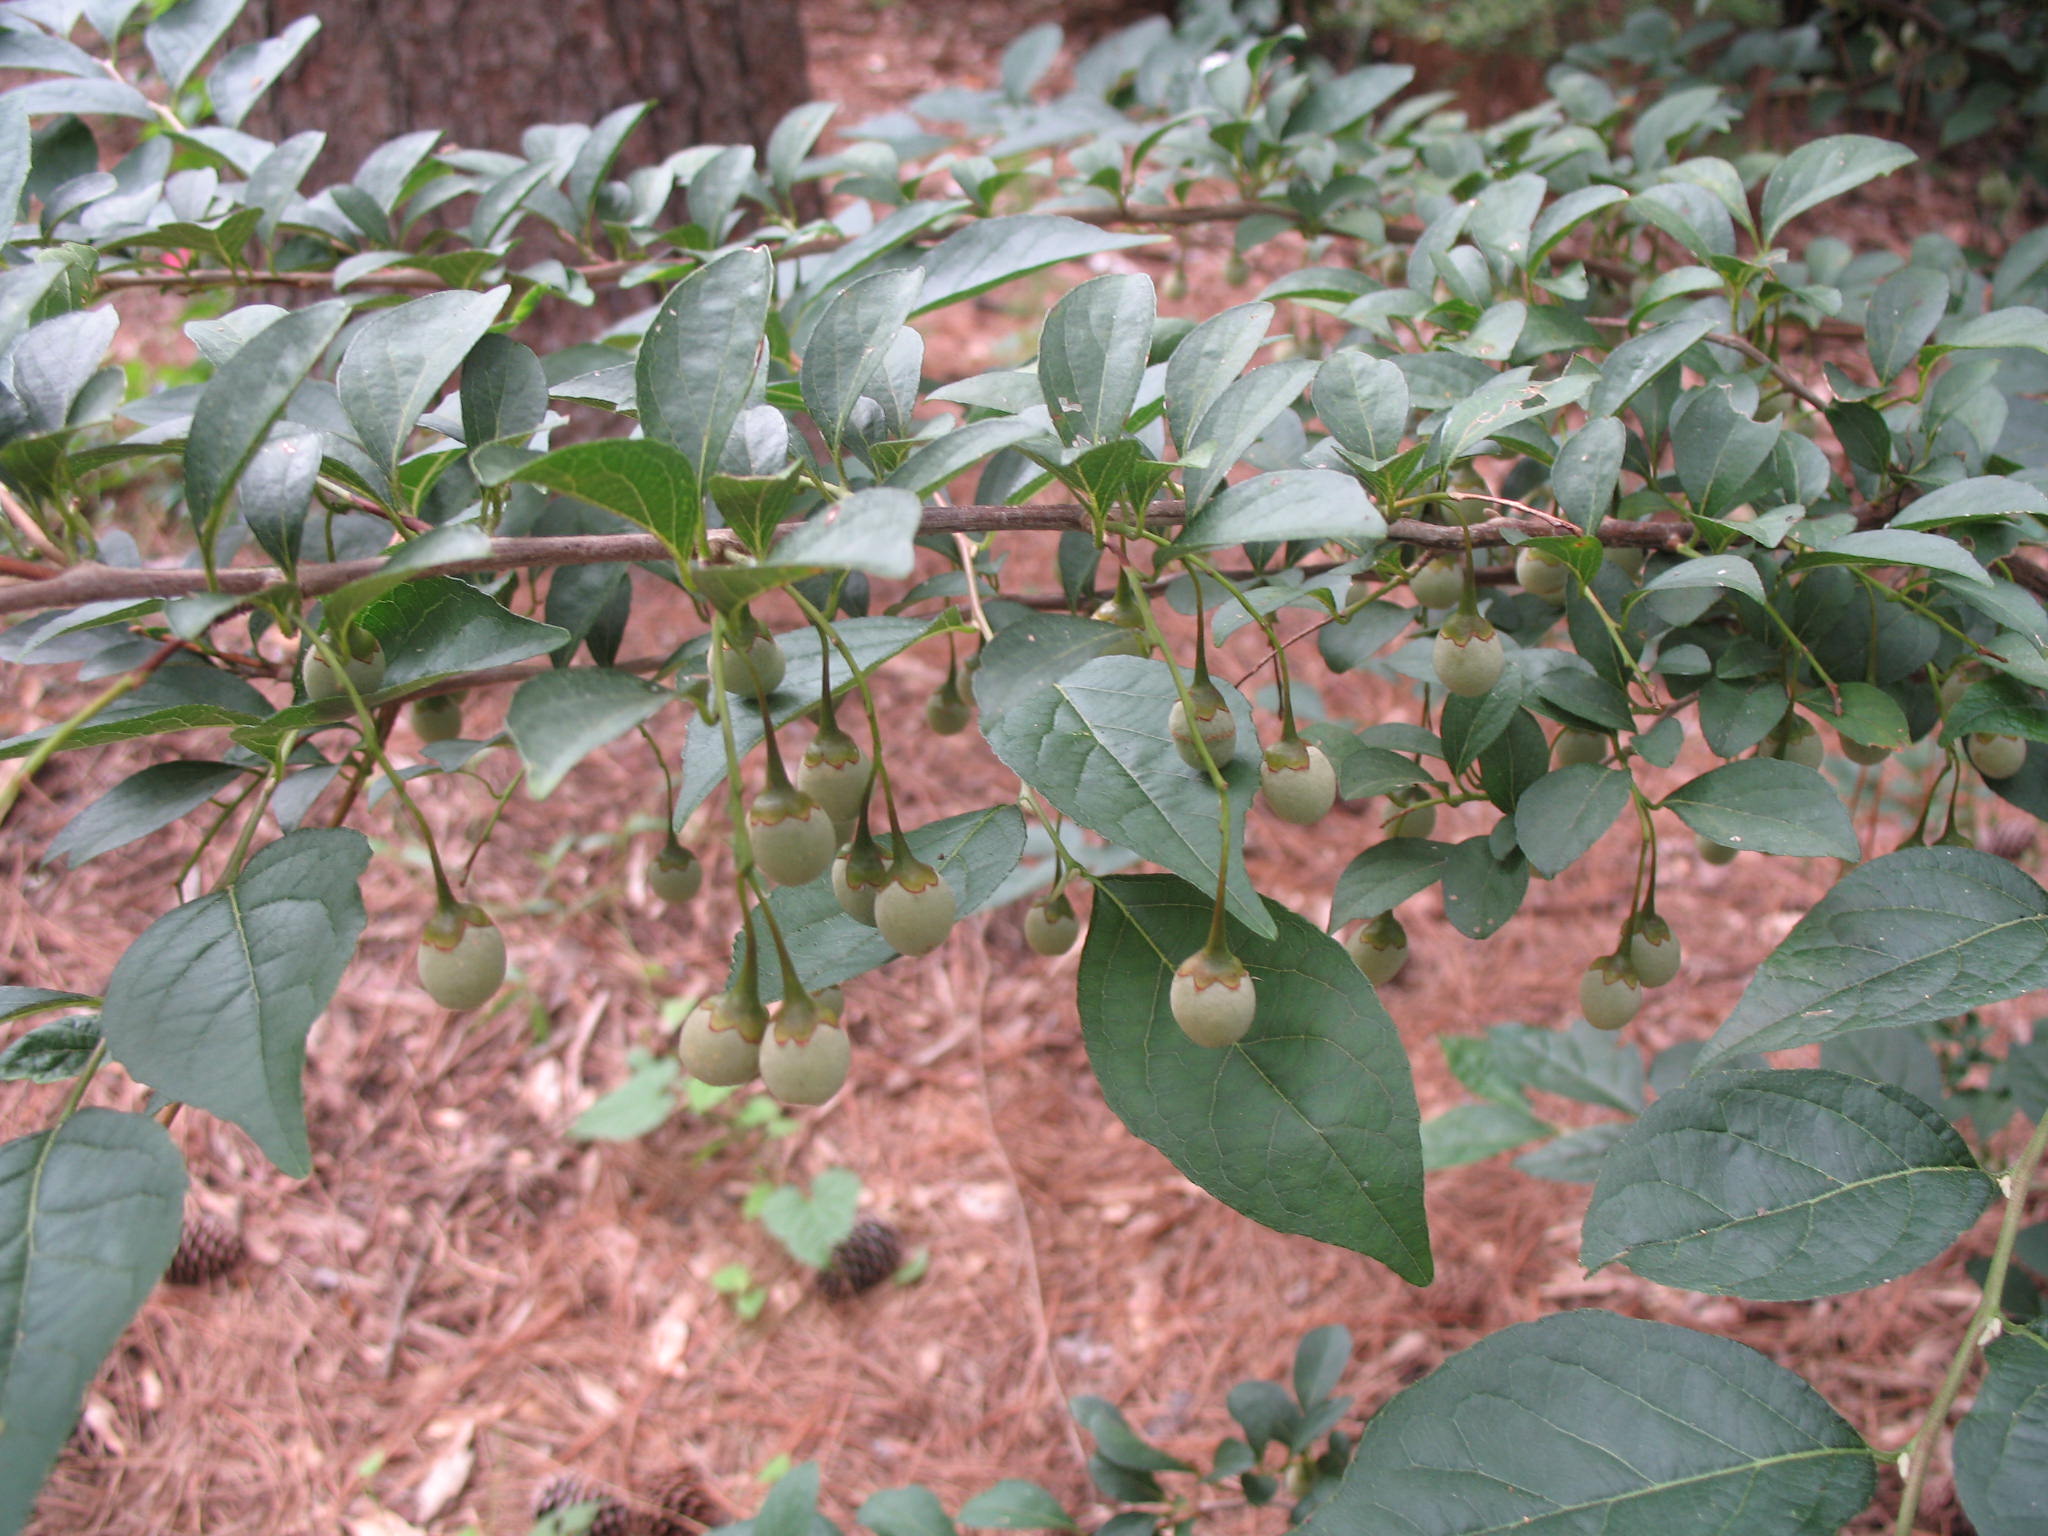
(719, 71)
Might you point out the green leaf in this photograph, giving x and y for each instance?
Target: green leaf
(1313, 504)
(1640, 359)
(1585, 1421)
(1319, 1361)
(1483, 888)
(1825, 168)
(1580, 1063)
(185, 33)
(1868, 714)
(1229, 428)
(976, 851)
(811, 1226)
(1898, 546)
(90, 1213)
(140, 804)
(277, 491)
(1092, 355)
(1471, 1133)
(849, 344)
(1918, 935)
(1902, 314)
(1117, 1442)
(934, 463)
(871, 642)
(1783, 1186)
(212, 1003)
(177, 697)
(20, 1002)
(453, 544)
(558, 718)
(504, 392)
(1587, 471)
(1980, 496)
(791, 1508)
(2020, 325)
(1207, 360)
(1309, 1123)
(696, 365)
(1095, 744)
(642, 1102)
(1363, 402)
(642, 480)
(243, 76)
(1575, 1157)
(1385, 875)
(911, 1511)
(52, 1052)
(990, 252)
(874, 530)
(1016, 1505)
(245, 395)
(2001, 1446)
(1563, 814)
(398, 361)
(1718, 451)
(1770, 806)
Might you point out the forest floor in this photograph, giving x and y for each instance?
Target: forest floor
(463, 1300)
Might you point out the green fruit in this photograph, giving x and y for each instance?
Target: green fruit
(792, 835)
(1417, 822)
(721, 1040)
(1469, 657)
(1796, 741)
(364, 668)
(803, 1057)
(1379, 948)
(1609, 993)
(676, 874)
(1577, 746)
(1996, 757)
(1955, 685)
(462, 957)
(1126, 617)
(1464, 511)
(753, 664)
(858, 877)
(1298, 782)
(438, 717)
(1629, 559)
(1542, 575)
(1438, 582)
(831, 1003)
(1213, 719)
(915, 910)
(1653, 951)
(1857, 752)
(1713, 852)
(1236, 272)
(1213, 998)
(945, 712)
(1051, 925)
(834, 772)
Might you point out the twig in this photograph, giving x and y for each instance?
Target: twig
(1757, 354)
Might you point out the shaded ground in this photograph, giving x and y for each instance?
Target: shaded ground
(464, 1300)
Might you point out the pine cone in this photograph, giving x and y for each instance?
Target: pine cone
(207, 1250)
(567, 1489)
(681, 1505)
(870, 1254)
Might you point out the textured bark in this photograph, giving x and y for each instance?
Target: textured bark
(719, 71)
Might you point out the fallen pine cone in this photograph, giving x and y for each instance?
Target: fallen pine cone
(868, 1255)
(566, 1490)
(208, 1249)
(682, 1506)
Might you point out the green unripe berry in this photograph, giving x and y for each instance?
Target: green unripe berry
(831, 1003)
(1577, 746)
(1469, 657)
(676, 874)
(1236, 272)
(1051, 925)
(1541, 574)
(1858, 752)
(1464, 511)
(1213, 720)
(1379, 948)
(858, 877)
(461, 957)
(753, 664)
(1955, 685)
(1796, 741)
(1414, 820)
(834, 772)
(915, 910)
(362, 662)
(1996, 757)
(803, 1056)
(1298, 781)
(1610, 993)
(1653, 950)
(1126, 617)
(721, 1040)
(438, 717)
(791, 834)
(1713, 852)
(1438, 582)
(1213, 998)
(1629, 559)
(945, 712)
